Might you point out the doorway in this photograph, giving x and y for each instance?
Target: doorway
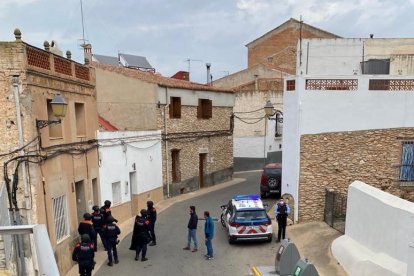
(80, 199)
(95, 191)
(202, 168)
(133, 186)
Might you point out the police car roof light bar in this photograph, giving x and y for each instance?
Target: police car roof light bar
(246, 197)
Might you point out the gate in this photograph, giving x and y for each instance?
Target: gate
(335, 210)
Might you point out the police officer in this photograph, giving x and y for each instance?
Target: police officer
(86, 227)
(140, 235)
(83, 254)
(97, 220)
(106, 211)
(281, 211)
(152, 217)
(111, 232)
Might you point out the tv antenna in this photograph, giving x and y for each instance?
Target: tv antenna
(83, 39)
(189, 60)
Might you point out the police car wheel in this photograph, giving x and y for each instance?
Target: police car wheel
(222, 221)
(231, 240)
(269, 239)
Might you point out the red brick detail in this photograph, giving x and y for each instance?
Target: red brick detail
(62, 65)
(37, 58)
(81, 72)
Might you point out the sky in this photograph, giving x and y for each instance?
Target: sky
(169, 32)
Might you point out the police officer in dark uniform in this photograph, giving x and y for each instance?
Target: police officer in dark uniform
(86, 226)
(111, 232)
(140, 236)
(152, 217)
(106, 211)
(83, 254)
(97, 220)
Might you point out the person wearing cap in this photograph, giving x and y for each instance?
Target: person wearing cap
(84, 254)
(111, 232)
(281, 211)
(86, 226)
(192, 230)
(140, 236)
(97, 221)
(152, 217)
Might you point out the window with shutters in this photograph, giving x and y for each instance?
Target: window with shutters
(407, 162)
(175, 107)
(205, 109)
(60, 217)
(175, 165)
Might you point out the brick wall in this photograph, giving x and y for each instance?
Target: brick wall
(335, 160)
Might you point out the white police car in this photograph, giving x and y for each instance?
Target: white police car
(245, 218)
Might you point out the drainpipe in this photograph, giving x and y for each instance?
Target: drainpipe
(20, 245)
(166, 143)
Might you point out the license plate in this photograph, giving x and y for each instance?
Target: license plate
(274, 191)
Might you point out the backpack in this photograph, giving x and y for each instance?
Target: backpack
(282, 209)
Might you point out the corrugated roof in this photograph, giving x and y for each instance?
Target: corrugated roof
(136, 61)
(106, 59)
(160, 80)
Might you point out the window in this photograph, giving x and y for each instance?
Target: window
(60, 217)
(205, 109)
(55, 130)
(175, 107)
(407, 162)
(175, 165)
(80, 119)
(116, 192)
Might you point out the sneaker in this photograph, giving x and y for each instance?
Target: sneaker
(210, 258)
(116, 261)
(186, 248)
(110, 264)
(136, 258)
(144, 259)
(152, 244)
(194, 250)
(206, 256)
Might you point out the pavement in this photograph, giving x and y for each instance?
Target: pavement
(127, 226)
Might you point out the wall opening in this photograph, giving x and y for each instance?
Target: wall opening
(175, 166)
(80, 199)
(95, 191)
(80, 119)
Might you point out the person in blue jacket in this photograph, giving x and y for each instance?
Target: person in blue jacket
(209, 233)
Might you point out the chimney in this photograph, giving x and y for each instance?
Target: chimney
(181, 75)
(208, 65)
(55, 49)
(87, 51)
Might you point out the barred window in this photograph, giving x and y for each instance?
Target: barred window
(407, 162)
(60, 217)
(116, 192)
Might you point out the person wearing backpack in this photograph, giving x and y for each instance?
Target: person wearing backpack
(281, 212)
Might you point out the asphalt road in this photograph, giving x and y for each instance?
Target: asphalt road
(168, 258)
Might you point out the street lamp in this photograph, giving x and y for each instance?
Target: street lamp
(270, 112)
(59, 107)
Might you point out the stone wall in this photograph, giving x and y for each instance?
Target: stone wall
(335, 160)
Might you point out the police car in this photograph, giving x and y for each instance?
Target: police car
(245, 218)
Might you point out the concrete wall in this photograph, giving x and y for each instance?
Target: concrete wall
(343, 56)
(140, 154)
(120, 96)
(371, 246)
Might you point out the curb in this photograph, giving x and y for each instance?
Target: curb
(255, 271)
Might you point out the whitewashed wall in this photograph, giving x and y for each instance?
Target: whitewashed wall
(116, 161)
(378, 234)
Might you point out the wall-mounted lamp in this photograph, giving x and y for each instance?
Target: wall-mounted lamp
(158, 104)
(270, 112)
(59, 107)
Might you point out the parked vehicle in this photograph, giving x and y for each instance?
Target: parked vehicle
(245, 218)
(271, 181)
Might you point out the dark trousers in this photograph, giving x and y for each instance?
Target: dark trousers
(95, 240)
(85, 269)
(141, 247)
(111, 249)
(152, 232)
(281, 222)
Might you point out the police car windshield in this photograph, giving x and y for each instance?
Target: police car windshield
(250, 215)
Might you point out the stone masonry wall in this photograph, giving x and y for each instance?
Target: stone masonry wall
(335, 160)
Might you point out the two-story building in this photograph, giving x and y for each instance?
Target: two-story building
(194, 121)
(348, 116)
(51, 165)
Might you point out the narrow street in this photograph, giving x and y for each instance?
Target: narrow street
(168, 258)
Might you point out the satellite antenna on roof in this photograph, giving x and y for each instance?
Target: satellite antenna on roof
(189, 60)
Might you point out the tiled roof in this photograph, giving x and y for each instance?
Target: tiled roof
(106, 125)
(160, 80)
